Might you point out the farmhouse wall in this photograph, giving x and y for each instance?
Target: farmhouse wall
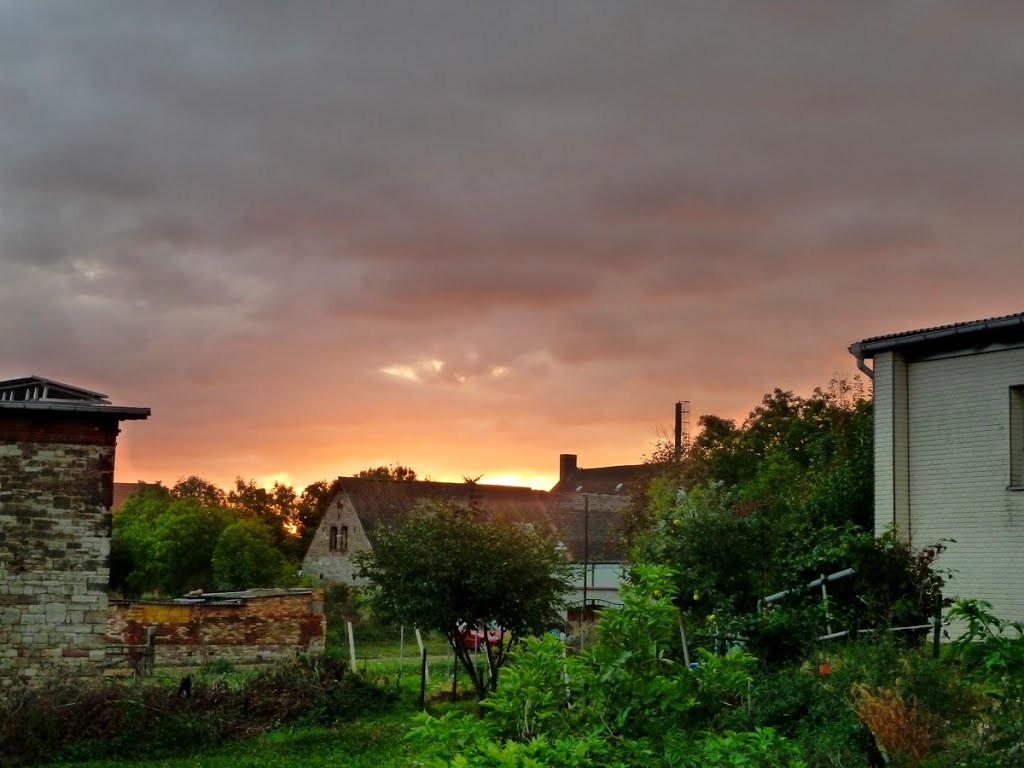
(336, 566)
(56, 484)
(244, 631)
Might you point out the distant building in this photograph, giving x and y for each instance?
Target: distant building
(949, 449)
(360, 508)
(57, 446)
(587, 522)
(574, 479)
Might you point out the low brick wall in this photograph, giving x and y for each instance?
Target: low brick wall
(249, 629)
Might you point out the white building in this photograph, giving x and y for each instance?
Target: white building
(949, 449)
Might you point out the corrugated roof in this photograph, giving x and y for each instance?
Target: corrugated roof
(36, 393)
(955, 335)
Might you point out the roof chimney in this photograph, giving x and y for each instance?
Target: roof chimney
(566, 466)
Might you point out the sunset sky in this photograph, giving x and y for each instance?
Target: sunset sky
(470, 236)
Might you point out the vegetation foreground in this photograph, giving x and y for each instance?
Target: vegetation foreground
(716, 657)
(628, 700)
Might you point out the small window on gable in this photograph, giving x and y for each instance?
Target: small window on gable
(343, 539)
(1017, 436)
(334, 538)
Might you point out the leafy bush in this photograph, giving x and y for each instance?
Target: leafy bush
(628, 701)
(991, 651)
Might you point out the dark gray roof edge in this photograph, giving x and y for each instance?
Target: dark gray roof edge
(867, 348)
(71, 406)
(17, 380)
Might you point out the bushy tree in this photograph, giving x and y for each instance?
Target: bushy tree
(452, 568)
(164, 538)
(394, 472)
(168, 541)
(749, 511)
(245, 556)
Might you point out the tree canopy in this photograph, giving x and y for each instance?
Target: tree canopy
(169, 540)
(394, 472)
(767, 506)
(452, 568)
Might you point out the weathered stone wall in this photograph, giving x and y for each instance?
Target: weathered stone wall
(56, 481)
(245, 631)
(337, 566)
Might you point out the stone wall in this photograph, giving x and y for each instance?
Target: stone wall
(337, 566)
(248, 630)
(56, 481)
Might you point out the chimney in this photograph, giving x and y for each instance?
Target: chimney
(566, 466)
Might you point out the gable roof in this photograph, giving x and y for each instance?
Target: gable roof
(387, 503)
(36, 393)
(615, 479)
(972, 335)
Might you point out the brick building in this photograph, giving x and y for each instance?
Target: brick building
(57, 447)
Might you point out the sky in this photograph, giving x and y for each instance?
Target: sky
(467, 237)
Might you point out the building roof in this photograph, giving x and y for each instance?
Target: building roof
(599, 479)
(974, 335)
(36, 393)
(387, 503)
(122, 492)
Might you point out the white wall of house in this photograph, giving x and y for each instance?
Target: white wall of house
(603, 582)
(947, 445)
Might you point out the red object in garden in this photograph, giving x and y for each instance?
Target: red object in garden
(474, 638)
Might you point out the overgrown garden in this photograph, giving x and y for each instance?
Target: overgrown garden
(720, 656)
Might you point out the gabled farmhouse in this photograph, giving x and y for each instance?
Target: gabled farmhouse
(57, 446)
(949, 449)
(588, 523)
(361, 508)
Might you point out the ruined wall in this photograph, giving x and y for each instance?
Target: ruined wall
(244, 631)
(56, 481)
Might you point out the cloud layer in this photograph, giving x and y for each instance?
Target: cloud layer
(319, 236)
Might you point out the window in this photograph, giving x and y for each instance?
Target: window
(1017, 437)
(343, 539)
(334, 538)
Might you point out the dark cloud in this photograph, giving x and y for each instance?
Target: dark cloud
(319, 236)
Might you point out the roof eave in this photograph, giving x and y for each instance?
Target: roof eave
(122, 412)
(868, 348)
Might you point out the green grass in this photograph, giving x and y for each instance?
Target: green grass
(371, 742)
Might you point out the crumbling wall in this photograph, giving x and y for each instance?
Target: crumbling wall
(249, 630)
(56, 481)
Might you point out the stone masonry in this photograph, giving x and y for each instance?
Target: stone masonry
(56, 484)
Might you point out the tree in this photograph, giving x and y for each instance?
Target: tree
(245, 557)
(451, 569)
(167, 541)
(203, 491)
(275, 508)
(394, 472)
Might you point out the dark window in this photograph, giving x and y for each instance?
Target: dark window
(334, 538)
(343, 539)
(1017, 436)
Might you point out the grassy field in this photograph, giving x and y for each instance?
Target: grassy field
(371, 739)
(375, 742)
